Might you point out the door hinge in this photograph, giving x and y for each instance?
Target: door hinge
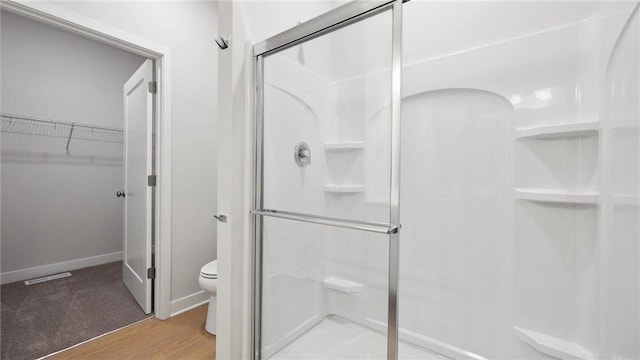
(151, 180)
(153, 87)
(151, 273)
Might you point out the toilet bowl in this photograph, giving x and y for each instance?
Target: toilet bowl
(208, 281)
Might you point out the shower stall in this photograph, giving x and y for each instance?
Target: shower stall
(449, 180)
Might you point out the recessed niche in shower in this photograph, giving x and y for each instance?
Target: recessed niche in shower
(555, 276)
(562, 164)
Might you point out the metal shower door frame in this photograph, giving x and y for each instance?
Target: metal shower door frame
(333, 20)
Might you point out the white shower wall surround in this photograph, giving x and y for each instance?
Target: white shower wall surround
(519, 195)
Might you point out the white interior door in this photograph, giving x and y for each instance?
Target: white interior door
(138, 117)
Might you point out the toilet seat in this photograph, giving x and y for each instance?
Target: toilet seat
(210, 270)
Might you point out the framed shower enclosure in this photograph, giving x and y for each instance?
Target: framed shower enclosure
(295, 205)
(520, 176)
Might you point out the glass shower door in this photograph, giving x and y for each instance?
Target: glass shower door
(323, 206)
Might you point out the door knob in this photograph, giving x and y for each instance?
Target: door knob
(221, 218)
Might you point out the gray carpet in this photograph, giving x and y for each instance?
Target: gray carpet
(43, 318)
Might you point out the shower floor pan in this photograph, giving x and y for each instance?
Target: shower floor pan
(337, 338)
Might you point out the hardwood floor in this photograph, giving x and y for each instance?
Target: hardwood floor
(180, 337)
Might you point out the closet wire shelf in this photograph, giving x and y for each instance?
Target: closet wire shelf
(36, 126)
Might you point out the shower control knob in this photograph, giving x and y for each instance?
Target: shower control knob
(302, 154)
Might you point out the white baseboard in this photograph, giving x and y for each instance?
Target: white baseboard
(30, 273)
(189, 302)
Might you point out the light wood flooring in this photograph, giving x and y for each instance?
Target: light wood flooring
(180, 337)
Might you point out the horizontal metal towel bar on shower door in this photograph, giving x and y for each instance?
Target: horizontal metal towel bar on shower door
(380, 228)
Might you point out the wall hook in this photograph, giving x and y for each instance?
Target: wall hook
(222, 43)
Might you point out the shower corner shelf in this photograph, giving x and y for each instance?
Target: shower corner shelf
(547, 344)
(556, 196)
(344, 189)
(580, 129)
(344, 146)
(342, 285)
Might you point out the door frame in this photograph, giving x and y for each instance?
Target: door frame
(161, 56)
(333, 20)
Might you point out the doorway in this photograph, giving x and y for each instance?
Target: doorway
(162, 57)
(64, 140)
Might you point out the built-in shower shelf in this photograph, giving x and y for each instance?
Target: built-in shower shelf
(344, 189)
(559, 131)
(344, 146)
(556, 196)
(343, 285)
(551, 345)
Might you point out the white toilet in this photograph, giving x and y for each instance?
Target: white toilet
(208, 281)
